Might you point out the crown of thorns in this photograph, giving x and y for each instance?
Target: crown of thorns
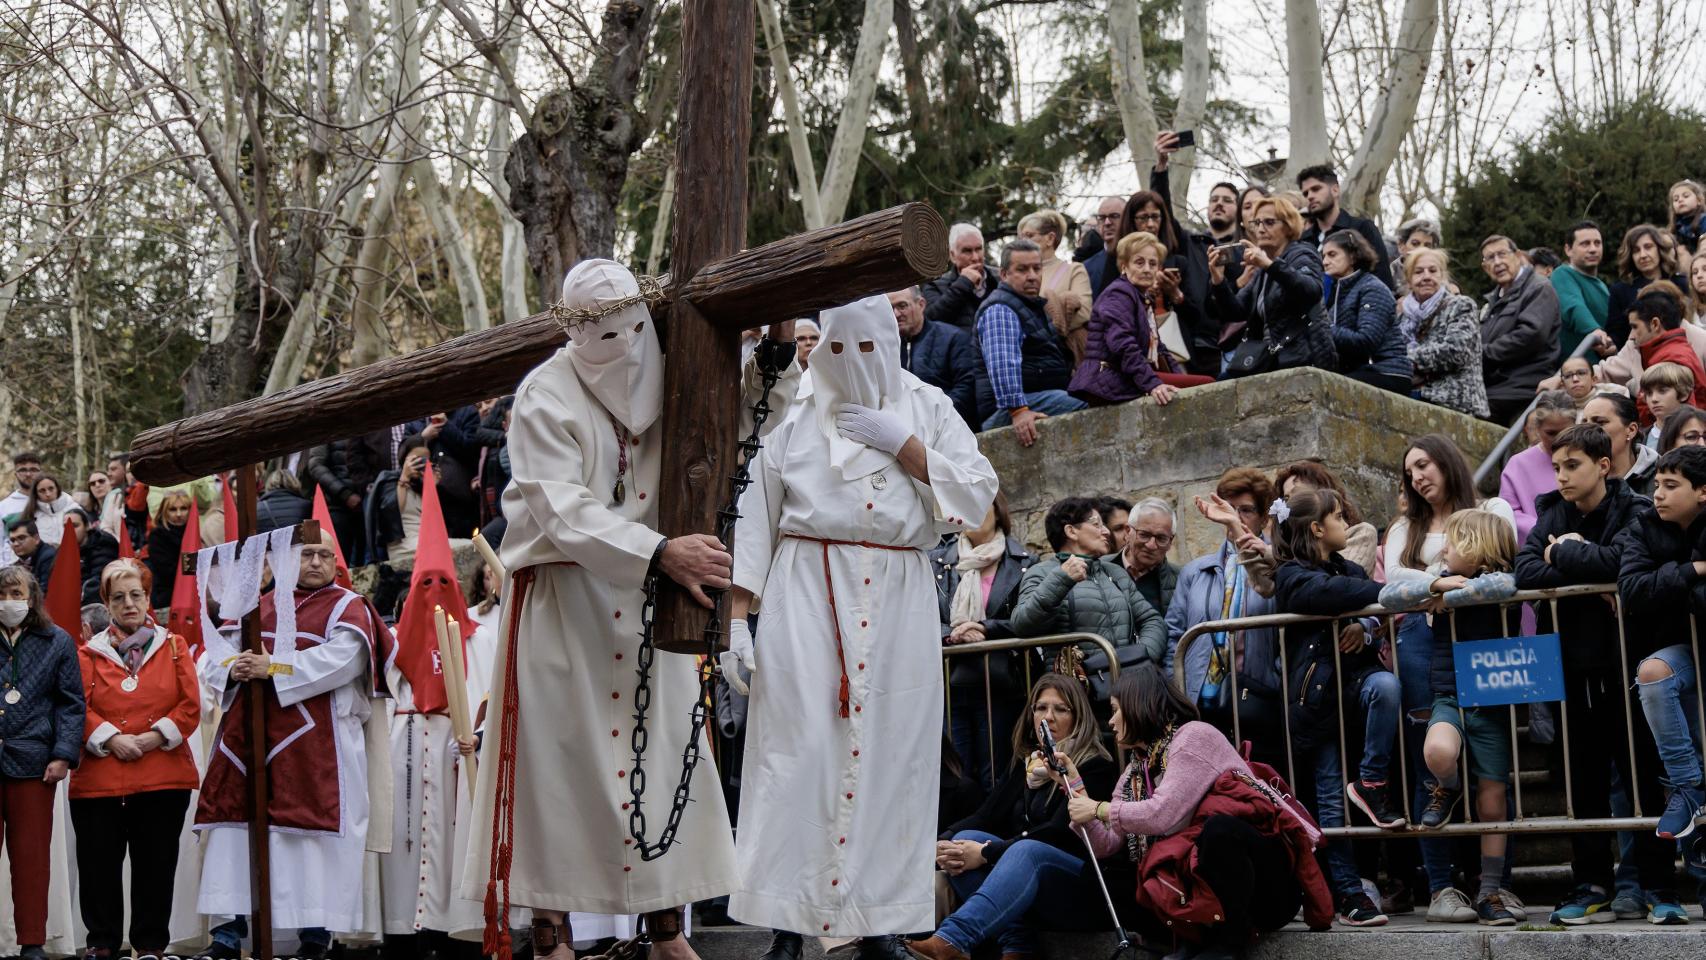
(569, 318)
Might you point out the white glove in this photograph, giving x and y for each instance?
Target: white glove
(738, 656)
(877, 429)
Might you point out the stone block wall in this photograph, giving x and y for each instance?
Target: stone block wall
(1175, 452)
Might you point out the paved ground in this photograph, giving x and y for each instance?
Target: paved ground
(1406, 938)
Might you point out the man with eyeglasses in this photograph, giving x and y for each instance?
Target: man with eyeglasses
(1108, 228)
(1320, 187)
(1519, 330)
(1148, 538)
(26, 469)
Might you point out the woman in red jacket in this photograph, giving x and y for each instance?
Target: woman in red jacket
(1222, 855)
(133, 788)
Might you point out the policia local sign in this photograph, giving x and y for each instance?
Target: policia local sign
(1494, 673)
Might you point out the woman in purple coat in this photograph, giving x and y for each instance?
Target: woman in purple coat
(1125, 357)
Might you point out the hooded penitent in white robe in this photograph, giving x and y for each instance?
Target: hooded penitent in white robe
(583, 421)
(838, 813)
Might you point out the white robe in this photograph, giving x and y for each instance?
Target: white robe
(838, 814)
(419, 877)
(577, 647)
(316, 878)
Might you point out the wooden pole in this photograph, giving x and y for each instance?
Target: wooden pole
(752, 288)
(702, 362)
(260, 833)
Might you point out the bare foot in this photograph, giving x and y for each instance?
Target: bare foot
(677, 949)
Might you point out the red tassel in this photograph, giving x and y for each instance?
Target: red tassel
(844, 694)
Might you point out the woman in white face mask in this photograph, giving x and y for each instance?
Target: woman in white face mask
(41, 738)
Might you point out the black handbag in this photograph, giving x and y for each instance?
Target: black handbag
(1251, 357)
(1097, 672)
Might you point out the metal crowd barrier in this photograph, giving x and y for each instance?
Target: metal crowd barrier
(1389, 623)
(987, 647)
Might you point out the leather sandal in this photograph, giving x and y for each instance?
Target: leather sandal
(662, 926)
(548, 936)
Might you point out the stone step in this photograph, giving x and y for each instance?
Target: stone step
(1406, 938)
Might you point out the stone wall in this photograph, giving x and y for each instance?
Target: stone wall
(1175, 452)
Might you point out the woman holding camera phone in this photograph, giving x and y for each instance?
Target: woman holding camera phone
(399, 507)
(1269, 281)
(1018, 856)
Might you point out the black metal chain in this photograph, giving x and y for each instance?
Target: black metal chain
(773, 357)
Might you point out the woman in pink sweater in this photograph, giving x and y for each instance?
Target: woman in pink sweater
(1175, 790)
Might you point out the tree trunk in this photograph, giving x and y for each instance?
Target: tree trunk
(1193, 97)
(805, 170)
(1303, 53)
(660, 226)
(844, 152)
(1131, 84)
(513, 270)
(1395, 110)
(566, 172)
(457, 245)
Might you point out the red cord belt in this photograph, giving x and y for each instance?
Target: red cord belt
(829, 584)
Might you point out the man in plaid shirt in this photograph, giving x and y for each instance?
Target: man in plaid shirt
(1029, 366)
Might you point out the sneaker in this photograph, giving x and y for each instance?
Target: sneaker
(1450, 906)
(1357, 910)
(1490, 911)
(1375, 801)
(1681, 811)
(1628, 906)
(1442, 802)
(1514, 904)
(1585, 904)
(1667, 912)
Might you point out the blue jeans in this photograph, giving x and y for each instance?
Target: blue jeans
(1671, 707)
(1330, 812)
(1051, 402)
(1415, 660)
(1030, 876)
(1379, 697)
(232, 932)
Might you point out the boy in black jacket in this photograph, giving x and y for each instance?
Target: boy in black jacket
(1661, 567)
(1575, 540)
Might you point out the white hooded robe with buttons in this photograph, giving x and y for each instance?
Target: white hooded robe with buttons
(838, 813)
(578, 636)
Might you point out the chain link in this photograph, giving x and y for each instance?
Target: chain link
(772, 357)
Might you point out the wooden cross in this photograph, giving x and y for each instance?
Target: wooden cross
(716, 290)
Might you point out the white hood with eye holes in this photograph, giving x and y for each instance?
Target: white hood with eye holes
(618, 357)
(857, 360)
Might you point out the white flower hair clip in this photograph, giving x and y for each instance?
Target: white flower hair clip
(1280, 510)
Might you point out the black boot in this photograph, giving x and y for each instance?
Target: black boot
(784, 946)
(34, 952)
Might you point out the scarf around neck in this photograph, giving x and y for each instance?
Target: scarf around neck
(967, 602)
(132, 648)
(1417, 312)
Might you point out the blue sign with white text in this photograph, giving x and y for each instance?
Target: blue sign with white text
(1493, 673)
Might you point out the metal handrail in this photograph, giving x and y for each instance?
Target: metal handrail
(1016, 643)
(1498, 455)
(1281, 621)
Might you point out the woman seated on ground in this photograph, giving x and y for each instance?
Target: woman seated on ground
(1221, 856)
(1018, 854)
(1125, 357)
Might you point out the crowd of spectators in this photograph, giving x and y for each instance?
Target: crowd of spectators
(1146, 306)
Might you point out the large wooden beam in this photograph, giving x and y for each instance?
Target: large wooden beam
(701, 402)
(753, 288)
